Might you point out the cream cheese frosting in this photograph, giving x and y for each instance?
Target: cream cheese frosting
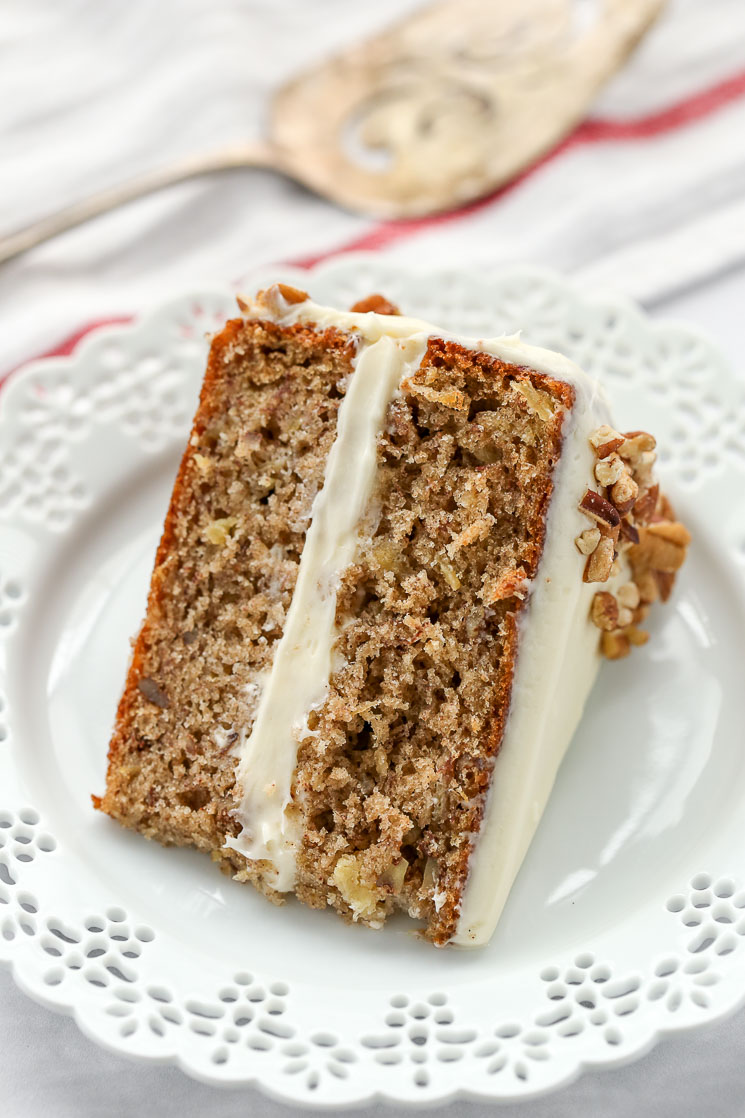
(556, 666)
(557, 656)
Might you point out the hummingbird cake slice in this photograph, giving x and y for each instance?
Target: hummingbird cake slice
(391, 565)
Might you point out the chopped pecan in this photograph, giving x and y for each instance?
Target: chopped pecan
(624, 493)
(637, 636)
(153, 693)
(628, 595)
(610, 470)
(663, 510)
(377, 303)
(625, 618)
(604, 611)
(646, 583)
(598, 508)
(665, 581)
(588, 540)
(628, 530)
(615, 645)
(605, 449)
(662, 547)
(645, 505)
(643, 467)
(291, 294)
(604, 434)
(635, 444)
(278, 295)
(608, 532)
(672, 531)
(599, 564)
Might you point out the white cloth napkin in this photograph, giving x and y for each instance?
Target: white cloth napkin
(647, 199)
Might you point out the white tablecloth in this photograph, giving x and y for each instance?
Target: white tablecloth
(648, 200)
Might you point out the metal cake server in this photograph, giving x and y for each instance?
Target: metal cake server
(434, 112)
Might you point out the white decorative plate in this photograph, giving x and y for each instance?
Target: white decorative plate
(628, 918)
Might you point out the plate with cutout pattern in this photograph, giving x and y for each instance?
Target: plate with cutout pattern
(628, 917)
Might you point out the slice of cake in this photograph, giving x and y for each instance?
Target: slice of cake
(390, 564)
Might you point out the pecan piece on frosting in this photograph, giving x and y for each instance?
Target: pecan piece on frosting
(629, 531)
(610, 470)
(624, 493)
(290, 294)
(615, 645)
(377, 303)
(645, 505)
(662, 547)
(647, 586)
(628, 595)
(604, 611)
(605, 440)
(665, 581)
(635, 444)
(588, 540)
(598, 508)
(277, 297)
(598, 566)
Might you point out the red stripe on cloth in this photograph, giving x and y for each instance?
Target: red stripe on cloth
(691, 109)
(70, 343)
(687, 111)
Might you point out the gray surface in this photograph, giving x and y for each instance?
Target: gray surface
(49, 1070)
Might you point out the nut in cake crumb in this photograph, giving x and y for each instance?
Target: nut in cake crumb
(203, 463)
(153, 693)
(539, 402)
(347, 878)
(448, 572)
(218, 532)
(392, 879)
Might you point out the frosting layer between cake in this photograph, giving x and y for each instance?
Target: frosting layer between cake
(302, 663)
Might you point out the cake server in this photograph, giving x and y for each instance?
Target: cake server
(432, 113)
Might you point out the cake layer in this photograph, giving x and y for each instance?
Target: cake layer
(224, 579)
